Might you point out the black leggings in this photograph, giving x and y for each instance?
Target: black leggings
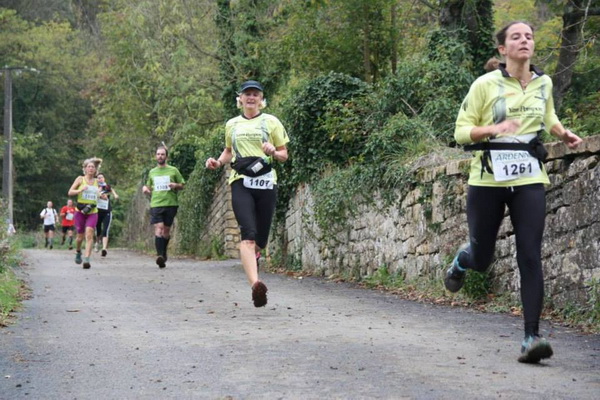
(527, 209)
(253, 209)
(103, 225)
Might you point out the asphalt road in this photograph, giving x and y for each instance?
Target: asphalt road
(126, 330)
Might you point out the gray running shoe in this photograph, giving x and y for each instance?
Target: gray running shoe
(455, 276)
(78, 257)
(534, 349)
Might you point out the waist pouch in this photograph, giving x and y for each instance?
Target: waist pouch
(85, 208)
(251, 166)
(535, 147)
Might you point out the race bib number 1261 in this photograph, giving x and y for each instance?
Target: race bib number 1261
(509, 165)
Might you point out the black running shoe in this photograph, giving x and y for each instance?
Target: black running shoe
(259, 294)
(160, 261)
(534, 349)
(104, 252)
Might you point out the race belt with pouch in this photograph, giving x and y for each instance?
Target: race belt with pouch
(252, 166)
(85, 208)
(511, 160)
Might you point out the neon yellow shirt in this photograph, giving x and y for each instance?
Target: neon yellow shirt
(90, 195)
(495, 97)
(245, 137)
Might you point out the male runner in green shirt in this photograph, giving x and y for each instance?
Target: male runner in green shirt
(164, 182)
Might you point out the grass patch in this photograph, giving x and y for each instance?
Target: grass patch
(12, 290)
(10, 295)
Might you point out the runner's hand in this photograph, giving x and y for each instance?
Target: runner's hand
(571, 139)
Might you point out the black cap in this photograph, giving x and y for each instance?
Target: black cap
(251, 85)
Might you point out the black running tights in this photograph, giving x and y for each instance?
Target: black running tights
(527, 209)
(253, 209)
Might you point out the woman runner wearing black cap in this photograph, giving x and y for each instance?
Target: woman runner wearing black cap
(253, 141)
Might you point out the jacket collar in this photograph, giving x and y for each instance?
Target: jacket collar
(502, 68)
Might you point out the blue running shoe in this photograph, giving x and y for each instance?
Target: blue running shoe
(78, 257)
(455, 276)
(534, 349)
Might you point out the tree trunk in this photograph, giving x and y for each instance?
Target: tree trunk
(394, 38)
(573, 19)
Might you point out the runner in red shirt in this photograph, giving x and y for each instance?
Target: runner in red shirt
(67, 216)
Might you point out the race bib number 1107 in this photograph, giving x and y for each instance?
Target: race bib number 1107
(260, 182)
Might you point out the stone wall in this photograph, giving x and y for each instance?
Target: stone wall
(221, 221)
(417, 237)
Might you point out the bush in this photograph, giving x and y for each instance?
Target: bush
(196, 199)
(310, 144)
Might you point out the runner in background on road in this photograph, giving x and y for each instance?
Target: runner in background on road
(163, 184)
(253, 141)
(87, 190)
(67, 216)
(50, 217)
(501, 119)
(104, 214)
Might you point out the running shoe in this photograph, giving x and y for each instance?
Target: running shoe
(104, 252)
(259, 294)
(86, 263)
(160, 261)
(78, 257)
(534, 349)
(70, 247)
(455, 276)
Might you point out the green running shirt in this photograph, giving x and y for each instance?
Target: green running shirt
(158, 181)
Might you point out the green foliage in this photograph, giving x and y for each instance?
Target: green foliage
(196, 199)
(213, 249)
(586, 314)
(156, 84)
(581, 107)
(9, 284)
(9, 294)
(246, 50)
(432, 87)
(313, 146)
(49, 110)
(477, 285)
(383, 277)
(310, 144)
(183, 156)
